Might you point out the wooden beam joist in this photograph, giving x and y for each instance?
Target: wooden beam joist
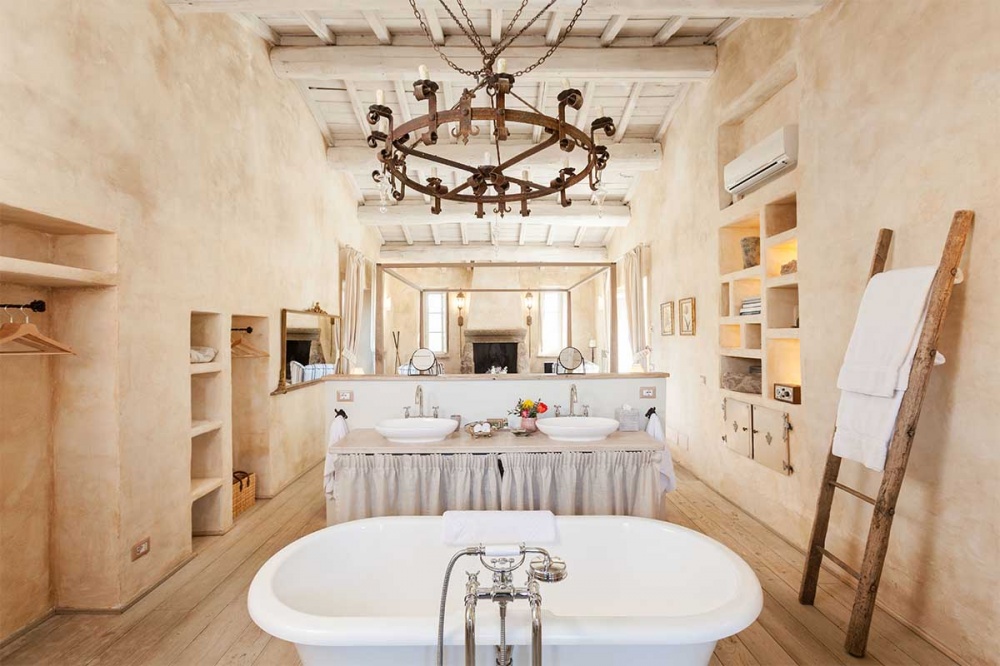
(724, 29)
(325, 63)
(633, 100)
(624, 157)
(542, 213)
(612, 28)
(553, 28)
(378, 26)
(320, 29)
(488, 255)
(637, 8)
(256, 26)
(668, 117)
(669, 29)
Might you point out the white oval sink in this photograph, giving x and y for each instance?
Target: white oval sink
(577, 428)
(419, 430)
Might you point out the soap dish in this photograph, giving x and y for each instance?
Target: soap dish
(521, 433)
(470, 428)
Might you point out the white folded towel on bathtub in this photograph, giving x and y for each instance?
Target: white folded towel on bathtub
(471, 528)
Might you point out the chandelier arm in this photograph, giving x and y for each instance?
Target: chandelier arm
(524, 154)
(435, 158)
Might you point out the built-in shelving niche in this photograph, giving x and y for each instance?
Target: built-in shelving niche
(209, 437)
(250, 390)
(766, 343)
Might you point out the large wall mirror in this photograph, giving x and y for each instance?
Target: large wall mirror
(500, 317)
(310, 347)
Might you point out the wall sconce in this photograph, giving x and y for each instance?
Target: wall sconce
(529, 302)
(460, 304)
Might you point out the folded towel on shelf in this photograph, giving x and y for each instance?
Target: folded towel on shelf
(470, 528)
(203, 354)
(668, 480)
(338, 431)
(877, 364)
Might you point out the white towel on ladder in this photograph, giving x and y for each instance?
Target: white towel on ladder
(338, 430)
(668, 481)
(876, 368)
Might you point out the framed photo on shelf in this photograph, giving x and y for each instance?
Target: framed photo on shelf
(667, 318)
(688, 316)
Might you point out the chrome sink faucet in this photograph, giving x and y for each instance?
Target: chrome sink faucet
(418, 399)
(573, 399)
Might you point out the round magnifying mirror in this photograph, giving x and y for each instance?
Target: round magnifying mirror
(423, 360)
(570, 358)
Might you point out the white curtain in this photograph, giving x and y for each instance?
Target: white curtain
(634, 301)
(353, 307)
(578, 483)
(365, 486)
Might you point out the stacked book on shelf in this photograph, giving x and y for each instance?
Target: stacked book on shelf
(750, 306)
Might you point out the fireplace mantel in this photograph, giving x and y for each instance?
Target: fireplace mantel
(491, 335)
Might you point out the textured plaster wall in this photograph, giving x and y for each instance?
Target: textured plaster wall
(175, 131)
(899, 127)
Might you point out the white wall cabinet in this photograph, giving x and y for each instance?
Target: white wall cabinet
(757, 432)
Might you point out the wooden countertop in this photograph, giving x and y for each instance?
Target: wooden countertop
(367, 440)
(494, 378)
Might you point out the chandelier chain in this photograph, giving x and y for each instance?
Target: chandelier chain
(490, 57)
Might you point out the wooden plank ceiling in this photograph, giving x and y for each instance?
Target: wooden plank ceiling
(634, 60)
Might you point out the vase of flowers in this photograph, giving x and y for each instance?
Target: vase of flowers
(529, 411)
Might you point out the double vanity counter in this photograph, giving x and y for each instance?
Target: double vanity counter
(368, 441)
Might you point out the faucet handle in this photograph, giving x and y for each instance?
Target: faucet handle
(435, 411)
(558, 409)
(406, 412)
(586, 410)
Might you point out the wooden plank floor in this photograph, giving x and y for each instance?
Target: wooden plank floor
(199, 615)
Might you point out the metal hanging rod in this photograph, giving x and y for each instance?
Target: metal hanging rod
(245, 329)
(34, 306)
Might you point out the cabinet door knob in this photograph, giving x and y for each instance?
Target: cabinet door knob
(745, 428)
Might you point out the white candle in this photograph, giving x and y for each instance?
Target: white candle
(525, 174)
(566, 162)
(486, 158)
(422, 72)
(565, 84)
(380, 97)
(501, 65)
(600, 112)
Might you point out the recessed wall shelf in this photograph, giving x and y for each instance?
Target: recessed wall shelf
(42, 274)
(199, 428)
(206, 368)
(203, 486)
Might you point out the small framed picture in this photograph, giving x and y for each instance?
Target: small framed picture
(667, 318)
(688, 316)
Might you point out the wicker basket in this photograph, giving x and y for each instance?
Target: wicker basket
(244, 491)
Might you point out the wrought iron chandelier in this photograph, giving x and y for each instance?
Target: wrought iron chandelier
(486, 184)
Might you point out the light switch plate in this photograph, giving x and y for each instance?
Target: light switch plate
(345, 396)
(140, 549)
(647, 392)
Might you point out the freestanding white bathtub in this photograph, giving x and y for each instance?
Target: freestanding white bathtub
(639, 592)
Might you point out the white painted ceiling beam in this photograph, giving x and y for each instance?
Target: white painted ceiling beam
(496, 26)
(433, 23)
(536, 133)
(256, 26)
(669, 29)
(406, 232)
(583, 115)
(578, 241)
(485, 253)
(623, 156)
(324, 63)
(630, 104)
(724, 29)
(378, 26)
(359, 112)
(417, 214)
(320, 29)
(403, 99)
(553, 28)
(637, 8)
(668, 117)
(612, 28)
(551, 236)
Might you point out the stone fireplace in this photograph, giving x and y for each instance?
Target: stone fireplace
(484, 339)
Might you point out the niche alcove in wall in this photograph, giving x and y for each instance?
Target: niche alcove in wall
(211, 458)
(251, 374)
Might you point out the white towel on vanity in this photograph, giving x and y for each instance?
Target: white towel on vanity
(338, 431)
(876, 368)
(668, 481)
(469, 528)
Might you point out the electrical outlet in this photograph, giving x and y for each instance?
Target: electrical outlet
(345, 396)
(140, 549)
(647, 392)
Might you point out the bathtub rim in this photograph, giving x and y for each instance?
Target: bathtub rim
(286, 623)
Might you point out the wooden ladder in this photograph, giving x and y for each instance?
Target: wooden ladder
(899, 448)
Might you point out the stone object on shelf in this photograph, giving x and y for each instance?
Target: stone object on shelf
(791, 267)
(751, 251)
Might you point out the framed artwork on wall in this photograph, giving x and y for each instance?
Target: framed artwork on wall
(688, 316)
(667, 318)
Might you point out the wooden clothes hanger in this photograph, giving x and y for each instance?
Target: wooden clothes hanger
(242, 348)
(27, 335)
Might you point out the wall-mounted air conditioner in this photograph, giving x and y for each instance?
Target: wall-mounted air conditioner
(776, 153)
